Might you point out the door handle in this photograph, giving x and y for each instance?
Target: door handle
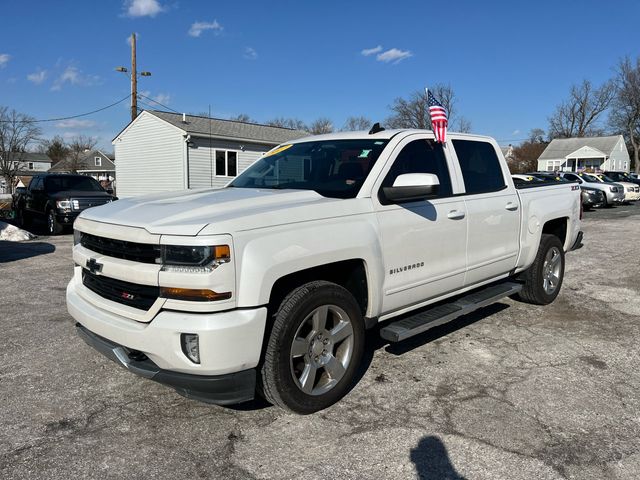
(511, 206)
(455, 215)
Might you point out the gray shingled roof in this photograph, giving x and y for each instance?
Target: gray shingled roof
(200, 126)
(561, 147)
(86, 162)
(35, 157)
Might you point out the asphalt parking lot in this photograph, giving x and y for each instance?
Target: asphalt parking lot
(512, 391)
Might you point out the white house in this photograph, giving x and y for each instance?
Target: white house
(162, 151)
(588, 153)
(30, 164)
(91, 162)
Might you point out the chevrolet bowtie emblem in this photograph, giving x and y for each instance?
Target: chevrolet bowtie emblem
(94, 266)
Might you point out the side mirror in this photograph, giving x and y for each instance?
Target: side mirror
(412, 187)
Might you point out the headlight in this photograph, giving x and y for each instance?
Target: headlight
(77, 234)
(194, 259)
(63, 204)
(613, 189)
(629, 189)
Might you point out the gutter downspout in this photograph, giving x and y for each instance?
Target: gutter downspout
(187, 139)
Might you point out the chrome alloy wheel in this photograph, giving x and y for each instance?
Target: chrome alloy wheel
(551, 270)
(322, 349)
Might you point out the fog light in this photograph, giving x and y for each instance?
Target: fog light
(190, 346)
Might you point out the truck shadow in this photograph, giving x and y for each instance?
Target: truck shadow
(375, 342)
(13, 251)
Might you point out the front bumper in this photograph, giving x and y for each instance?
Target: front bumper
(219, 389)
(66, 218)
(230, 343)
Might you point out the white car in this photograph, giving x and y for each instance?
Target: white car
(631, 190)
(268, 285)
(613, 193)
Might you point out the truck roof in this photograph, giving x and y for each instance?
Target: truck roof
(383, 135)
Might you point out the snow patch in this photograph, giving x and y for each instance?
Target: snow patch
(14, 234)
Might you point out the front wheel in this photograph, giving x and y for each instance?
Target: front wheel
(53, 226)
(314, 349)
(543, 279)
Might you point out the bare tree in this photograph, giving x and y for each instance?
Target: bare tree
(356, 123)
(414, 111)
(320, 126)
(55, 148)
(17, 133)
(578, 115)
(527, 153)
(625, 115)
(78, 148)
(294, 123)
(242, 117)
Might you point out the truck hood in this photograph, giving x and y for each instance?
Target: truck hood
(226, 210)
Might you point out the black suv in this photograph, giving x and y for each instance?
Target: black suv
(58, 199)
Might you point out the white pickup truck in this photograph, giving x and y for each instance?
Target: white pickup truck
(269, 284)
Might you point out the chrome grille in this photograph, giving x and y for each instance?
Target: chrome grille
(88, 202)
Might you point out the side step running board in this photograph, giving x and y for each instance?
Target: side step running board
(445, 312)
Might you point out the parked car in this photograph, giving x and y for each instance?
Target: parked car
(269, 284)
(631, 190)
(519, 179)
(613, 193)
(58, 199)
(634, 175)
(622, 177)
(592, 197)
(548, 176)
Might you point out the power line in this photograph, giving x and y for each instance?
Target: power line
(161, 104)
(72, 116)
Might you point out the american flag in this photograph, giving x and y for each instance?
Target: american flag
(438, 116)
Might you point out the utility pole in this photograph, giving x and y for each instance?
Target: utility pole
(133, 77)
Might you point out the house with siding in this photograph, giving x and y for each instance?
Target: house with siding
(30, 163)
(164, 151)
(591, 154)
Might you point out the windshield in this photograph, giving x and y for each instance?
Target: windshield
(63, 183)
(332, 168)
(589, 178)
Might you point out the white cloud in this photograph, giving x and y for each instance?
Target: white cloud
(73, 76)
(393, 55)
(73, 123)
(250, 53)
(4, 59)
(198, 27)
(37, 77)
(142, 8)
(370, 51)
(515, 132)
(162, 98)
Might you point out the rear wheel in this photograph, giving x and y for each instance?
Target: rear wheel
(605, 201)
(314, 349)
(53, 227)
(543, 279)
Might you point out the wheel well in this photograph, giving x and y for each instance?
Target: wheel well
(350, 274)
(557, 227)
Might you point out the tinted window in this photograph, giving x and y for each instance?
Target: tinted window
(36, 184)
(421, 156)
(480, 166)
(232, 169)
(63, 183)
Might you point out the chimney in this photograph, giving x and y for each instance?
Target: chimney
(184, 118)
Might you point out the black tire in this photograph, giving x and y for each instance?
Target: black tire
(53, 227)
(605, 202)
(21, 218)
(534, 290)
(278, 380)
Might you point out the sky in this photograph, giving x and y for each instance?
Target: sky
(509, 62)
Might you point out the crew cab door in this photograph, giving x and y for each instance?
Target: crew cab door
(33, 193)
(424, 242)
(493, 210)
